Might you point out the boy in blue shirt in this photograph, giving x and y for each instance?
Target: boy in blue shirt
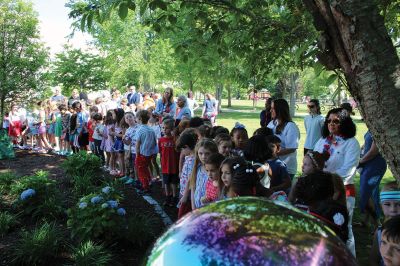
(146, 147)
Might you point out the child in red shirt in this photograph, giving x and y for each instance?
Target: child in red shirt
(169, 163)
(212, 166)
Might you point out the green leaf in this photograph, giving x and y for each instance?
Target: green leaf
(332, 78)
(172, 19)
(90, 20)
(157, 27)
(83, 22)
(123, 10)
(131, 5)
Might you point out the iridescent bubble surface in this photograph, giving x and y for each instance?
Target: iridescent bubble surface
(249, 231)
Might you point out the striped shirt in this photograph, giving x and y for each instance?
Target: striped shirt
(200, 190)
(148, 140)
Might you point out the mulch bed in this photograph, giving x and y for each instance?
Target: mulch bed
(27, 163)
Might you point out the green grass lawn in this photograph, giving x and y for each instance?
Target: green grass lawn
(242, 111)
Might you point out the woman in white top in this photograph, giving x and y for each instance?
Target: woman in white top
(338, 139)
(283, 127)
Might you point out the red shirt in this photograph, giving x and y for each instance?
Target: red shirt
(169, 156)
(90, 130)
(211, 191)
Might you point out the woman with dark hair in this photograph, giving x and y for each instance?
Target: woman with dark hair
(166, 105)
(313, 124)
(338, 140)
(283, 127)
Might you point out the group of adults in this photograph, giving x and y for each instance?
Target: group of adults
(333, 135)
(133, 100)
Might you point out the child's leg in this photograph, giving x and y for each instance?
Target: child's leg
(121, 161)
(127, 157)
(112, 161)
(108, 159)
(155, 165)
(134, 170)
(142, 167)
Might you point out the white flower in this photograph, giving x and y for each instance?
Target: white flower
(338, 219)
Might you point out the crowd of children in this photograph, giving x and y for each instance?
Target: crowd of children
(202, 163)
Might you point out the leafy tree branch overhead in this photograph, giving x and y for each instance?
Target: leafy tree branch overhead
(263, 31)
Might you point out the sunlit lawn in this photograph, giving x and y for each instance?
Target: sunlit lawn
(242, 111)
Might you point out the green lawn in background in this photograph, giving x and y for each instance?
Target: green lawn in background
(242, 111)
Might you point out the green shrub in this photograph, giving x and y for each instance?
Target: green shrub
(97, 215)
(82, 185)
(82, 164)
(89, 253)
(6, 179)
(38, 246)
(37, 195)
(7, 221)
(140, 229)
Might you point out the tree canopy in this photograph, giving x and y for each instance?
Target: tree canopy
(22, 55)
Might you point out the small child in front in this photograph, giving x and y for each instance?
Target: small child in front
(169, 163)
(212, 166)
(390, 242)
(390, 203)
(146, 145)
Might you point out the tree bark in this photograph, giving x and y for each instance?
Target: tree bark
(357, 41)
(293, 88)
(191, 85)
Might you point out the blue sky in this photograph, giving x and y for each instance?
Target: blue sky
(55, 25)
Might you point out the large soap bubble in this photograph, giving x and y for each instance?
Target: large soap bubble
(249, 231)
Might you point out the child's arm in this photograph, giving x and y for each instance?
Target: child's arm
(138, 143)
(185, 195)
(192, 198)
(374, 255)
(181, 161)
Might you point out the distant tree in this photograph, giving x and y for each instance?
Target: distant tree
(22, 55)
(74, 68)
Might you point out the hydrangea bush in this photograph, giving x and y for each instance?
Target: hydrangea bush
(97, 215)
(37, 196)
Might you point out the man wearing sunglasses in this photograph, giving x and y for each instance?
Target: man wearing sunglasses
(313, 124)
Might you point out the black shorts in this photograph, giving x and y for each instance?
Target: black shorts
(83, 139)
(170, 179)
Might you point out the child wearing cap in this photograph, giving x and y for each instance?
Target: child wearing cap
(390, 203)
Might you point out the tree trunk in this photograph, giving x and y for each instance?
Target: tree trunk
(229, 89)
(218, 95)
(356, 40)
(293, 88)
(2, 107)
(191, 85)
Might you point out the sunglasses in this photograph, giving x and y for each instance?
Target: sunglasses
(333, 121)
(310, 106)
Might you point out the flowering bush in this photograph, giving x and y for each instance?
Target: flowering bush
(97, 215)
(27, 193)
(36, 195)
